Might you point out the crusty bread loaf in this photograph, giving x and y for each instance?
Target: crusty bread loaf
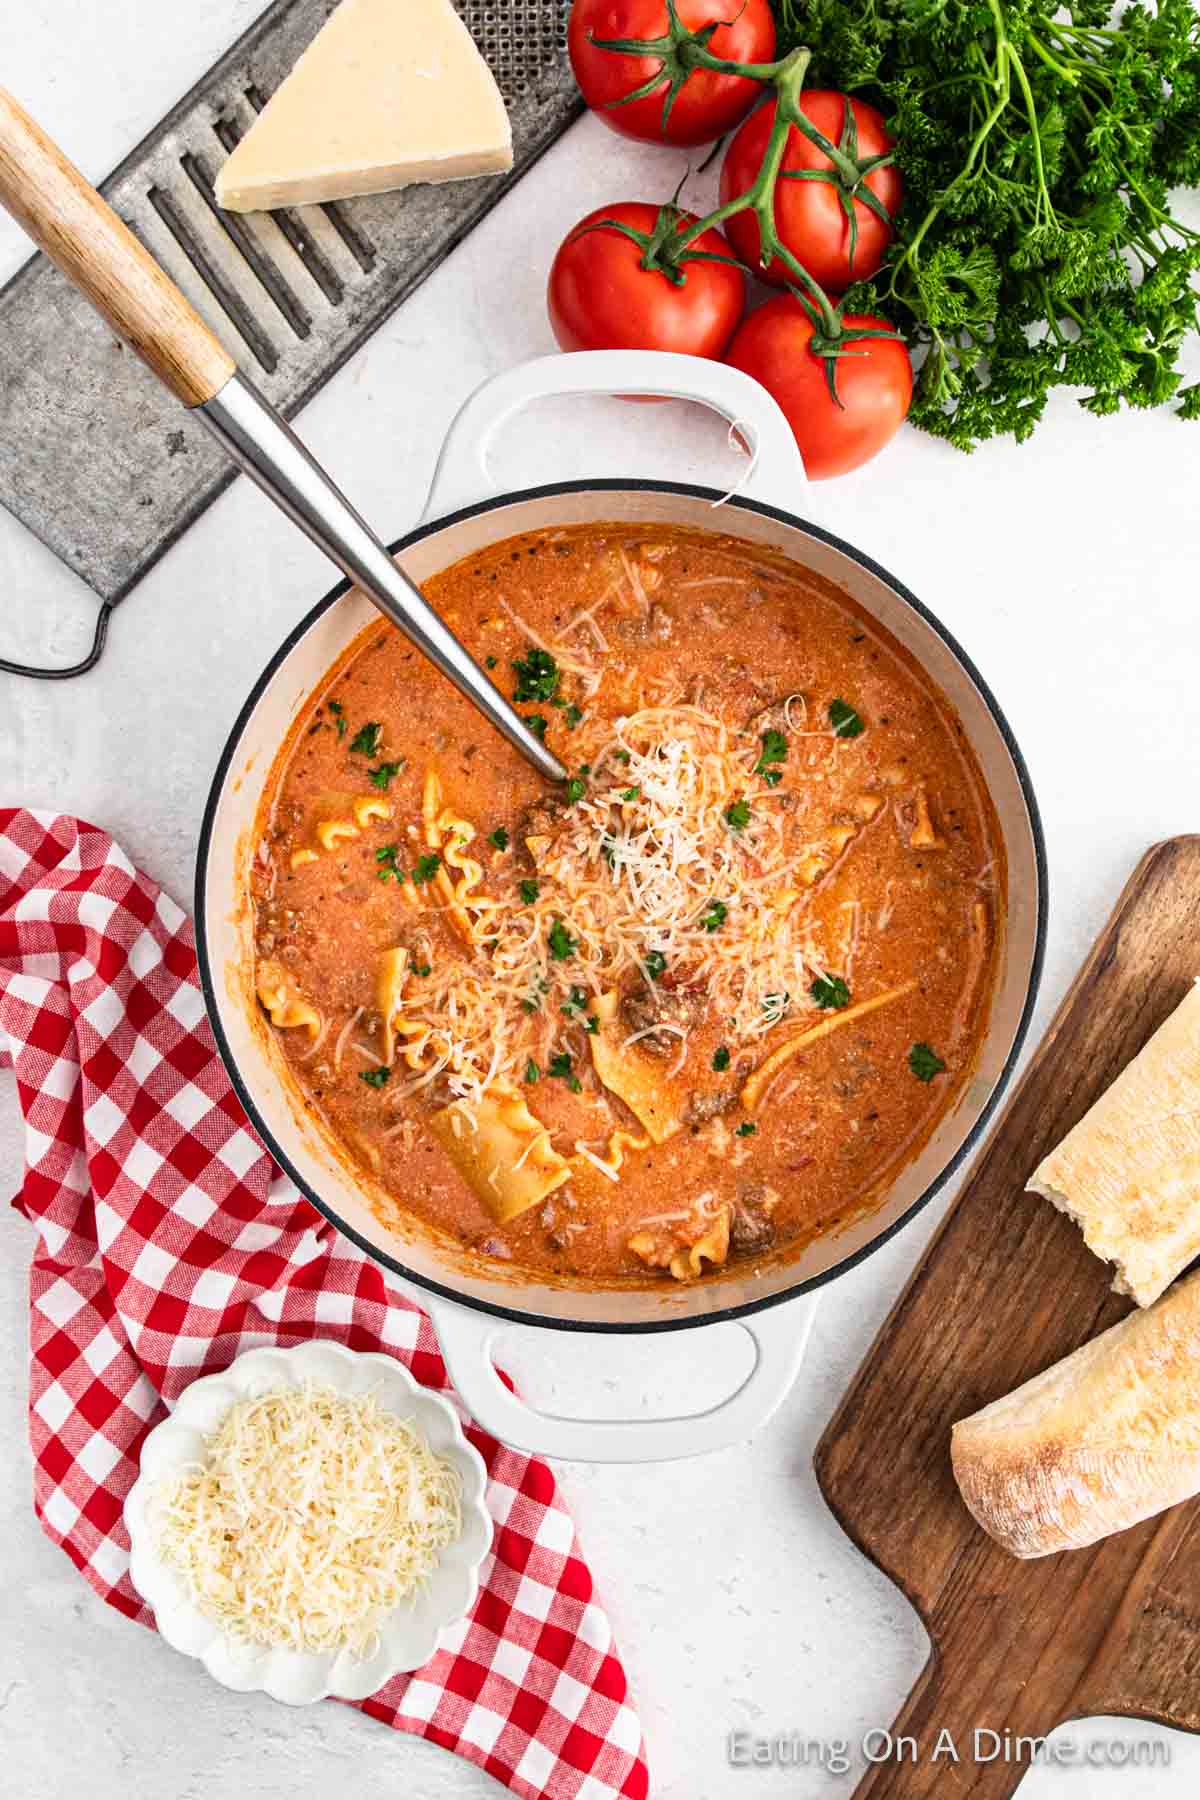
(1129, 1172)
(1106, 1437)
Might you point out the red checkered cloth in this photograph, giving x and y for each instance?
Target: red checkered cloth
(168, 1242)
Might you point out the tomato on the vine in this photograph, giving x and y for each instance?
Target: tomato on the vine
(601, 298)
(706, 103)
(811, 215)
(873, 379)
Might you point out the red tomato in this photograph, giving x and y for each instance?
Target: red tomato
(874, 385)
(600, 297)
(809, 215)
(707, 104)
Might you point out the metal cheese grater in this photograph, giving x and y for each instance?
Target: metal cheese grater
(94, 457)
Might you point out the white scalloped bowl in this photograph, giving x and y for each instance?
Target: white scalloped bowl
(408, 1635)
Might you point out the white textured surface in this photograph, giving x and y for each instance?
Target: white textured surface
(1067, 568)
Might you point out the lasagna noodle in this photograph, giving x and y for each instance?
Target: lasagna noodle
(619, 1144)
(366, 807)
(712, 1247)
(285, 1005)
(766, 1072)
(389, 997)
(685, 1260)
(501, 1151)
(654, 1101)
(459, 875)
(349, 817)
(332, 832)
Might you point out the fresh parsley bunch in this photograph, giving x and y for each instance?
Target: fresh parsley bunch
(1036, 247)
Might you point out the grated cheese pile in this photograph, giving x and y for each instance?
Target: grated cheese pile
(630, 871)
(312, 1515)
(671, 853)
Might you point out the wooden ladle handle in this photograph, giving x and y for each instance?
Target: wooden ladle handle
(66, 217)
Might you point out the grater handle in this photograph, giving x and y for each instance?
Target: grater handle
(79, 231)
(81, 234)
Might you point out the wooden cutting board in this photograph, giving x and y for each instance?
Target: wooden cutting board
(1006, 1289)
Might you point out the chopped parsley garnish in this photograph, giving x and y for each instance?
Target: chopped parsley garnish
(559, 1067)
(747, 1128)
(715, 917)
(621, 756)
(845, 721)
(576, 788)
(535, 999)
(489, 662)
(774, 750)
(575, 1001)
(573, 715)
(656, 962)
(390, 870)
(367, 741)
(339, 716)
(376, 1078)
(421, 970)
(830, 991)
(537, 676)
(382, 775)
(537, 724)
(1036, 198)
(560, 942)
(631, 793)
(775, 1005)
(924, 1062)
(720, 1060)
(528, 891)
(532, 1072)
(737, 816)
(591, 1024)
(498, 838)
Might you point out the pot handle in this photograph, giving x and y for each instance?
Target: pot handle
(776, 475)
(780, 1336)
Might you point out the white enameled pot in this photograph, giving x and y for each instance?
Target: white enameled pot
(468, 1301)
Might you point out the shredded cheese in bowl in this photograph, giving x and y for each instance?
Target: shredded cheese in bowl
(312, 1515)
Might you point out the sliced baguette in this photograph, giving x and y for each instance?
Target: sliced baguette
(1106, 1437)
(1129, 1172)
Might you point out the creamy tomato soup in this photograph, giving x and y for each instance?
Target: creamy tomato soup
(698, 1003)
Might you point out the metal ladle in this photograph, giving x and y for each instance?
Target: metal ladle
(79, 231)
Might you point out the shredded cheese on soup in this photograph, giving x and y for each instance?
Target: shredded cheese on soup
(630, 871)
(312, 1515)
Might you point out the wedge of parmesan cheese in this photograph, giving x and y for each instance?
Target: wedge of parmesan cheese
(389, 92)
